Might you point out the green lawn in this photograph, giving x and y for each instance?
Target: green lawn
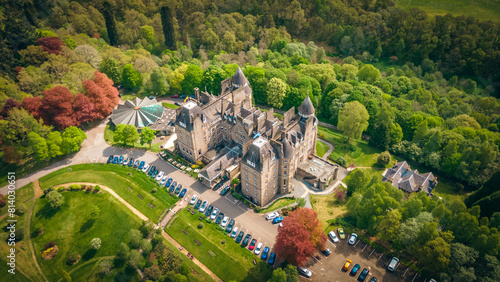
(481, 9)
(72, 229)
(278, 204)
(170, 106)
(229, 261)
(108, 136)
(121, 180)
(321, 148)
(90, 272)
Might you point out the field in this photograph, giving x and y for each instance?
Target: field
(128, 183)
(72, 228)
(227, 260)
(321, 148)
(108, 136)
(481, 9)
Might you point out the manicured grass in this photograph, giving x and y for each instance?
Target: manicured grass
(118, 178)
(278, 205)
(90, 272)
(108, 136)
(17, 277)
(23, 195)
(229, 261)
(72, 229)
(170, 106)
(321, 148)
(481, 9)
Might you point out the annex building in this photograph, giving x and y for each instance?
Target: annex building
(236, 139)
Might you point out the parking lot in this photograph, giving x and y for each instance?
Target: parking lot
(330, 268)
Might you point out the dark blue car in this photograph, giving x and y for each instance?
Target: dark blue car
(172, 187)
(169, 182)
(278, 220)
(115, 160)
(121, 160)
(141, 165)
(131, 162)
(110, 159)
(265, 252)
(183, 193)
(354, 270)
(272, 257)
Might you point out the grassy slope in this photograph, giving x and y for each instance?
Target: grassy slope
(321, 148)
(231, 261)
(71, 228)
(116, 177)
(170, 106)
(278, 204)
(481, 9)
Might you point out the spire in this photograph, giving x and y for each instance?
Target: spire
(239, 80)
(306, 109)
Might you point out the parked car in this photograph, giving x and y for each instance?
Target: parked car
(183, 96)
(333, 236)
(209, 210)
(239, 237)
(393, 264)
(234, 232)
(203, 206)
(198, 204)
(110, 159)
(347, 264)
(252, 244)
(375, 280)
(341, 233)
(363, 275)
(115, 160)
(169, 182)
(155, 172)
(131, 162)
(278, 220)
(120, 160)
(272, 215)
(219, 218)
(304, 271)
(193, 199)
(142, 164)
(214, 214)
(230, 226)
(172, 187)
(174, 96)
(136, 164)
(160, 176)
(246, 240)
(258, 249)
(178, 189)
(354, 270)
(183, 193)
(177, 104)
(326, 252)
(125, 161)
(265, 253)
(224, 221)
(272, 257)
(224, 191)
(145, 168)
(163, 180)
(353, 238)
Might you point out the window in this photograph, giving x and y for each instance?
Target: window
(284, 173)
(246, 178)
(247, 187)
(255, 196)
(285, 161)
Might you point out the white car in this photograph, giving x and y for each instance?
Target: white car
(162, 182)
(125, 161)
(203, 206)
(224, 221)
(193, 199)
(393, 264)
(258, 249)
(353, 238)
(145, 168)
(272, 215)
(304, 271)
(160, 176)
(214, 214)
(234, 233)
(333, 237)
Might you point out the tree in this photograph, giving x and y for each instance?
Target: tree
(51, 45)
(389, 226)
(145, 246)
(153, 272)
(131, 78)
(147, 136)
(33, 56)
(111, 68)
(369, 73)
(300, 236)
(134, 259)
(102, 94)
(210, 38)
(192, 79)
(276, 90)
(72, 139)
(212, 78)
(135, 237)
(89, 55)
(357, 181)
(55, 199)
(95, 243)
(148, 33)
(95, 211)
(159, 83)
(124, 251)
(58, 107)
(289, 274)
(353, 120)
(39, 146)
(435, 255)
(109, 17)
(384, 158)
(126, 133)
(105, 266)
(168, 26)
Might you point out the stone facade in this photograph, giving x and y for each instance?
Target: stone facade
(230, 135)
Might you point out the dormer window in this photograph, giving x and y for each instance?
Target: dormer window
(182, 124)
(252, 164)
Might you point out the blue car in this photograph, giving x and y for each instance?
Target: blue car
(141, 165)
(110, 159)
(115, 160)
(354, 270)
(169, 182)
(278, 220)
(272, 257)
(265, 252)
(183, 193)
(131, 162)
(121, 160)
(172, 187)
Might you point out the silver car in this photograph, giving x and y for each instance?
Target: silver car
(353, 238)
(214, 214)
(203, 206)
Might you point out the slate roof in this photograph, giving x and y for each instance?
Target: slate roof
(401, 176)
(306, 109)
(137, 112)
(216, 167)
(258, 151)
(239, 79)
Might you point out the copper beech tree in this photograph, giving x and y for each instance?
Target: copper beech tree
(300, 236)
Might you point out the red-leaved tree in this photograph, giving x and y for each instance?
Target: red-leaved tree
(83, 109)
(300, 236)
(10, 103)
(34, 106)
(51, 44)
(102, 94)
(58, 105)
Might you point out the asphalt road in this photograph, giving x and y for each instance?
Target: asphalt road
(330, 268)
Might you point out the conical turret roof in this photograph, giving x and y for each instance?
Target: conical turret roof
(239, 79)
(306, 109)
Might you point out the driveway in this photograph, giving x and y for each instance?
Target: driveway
(330, 268)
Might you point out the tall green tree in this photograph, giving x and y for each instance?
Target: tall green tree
(212, 77)
(159, 84)
(147, 136)
(168, 26)
(72, 139)
(39, 145)
(276, 90)
(111, 68)
(126, 133)
(109, 17)
(353, 120)
(192, 79)
(131, 78)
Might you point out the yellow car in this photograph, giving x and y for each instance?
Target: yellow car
(341, 233)
(346, 265)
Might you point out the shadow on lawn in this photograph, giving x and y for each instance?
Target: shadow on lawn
(89, 254)
(47, 211)
(87, 225)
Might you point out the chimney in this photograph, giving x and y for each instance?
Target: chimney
(197, 94)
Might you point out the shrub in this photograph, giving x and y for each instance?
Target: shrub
(154, 190)
(384, 159)
(20, 209)
(49, 245)
(257, 209)
(55, 199)
(3, 202)
(74, 187)
(73, 258)
(95, 243)
(60, 189)
(89, 189)
(201, 225)
(97, 188)
(39, 229)
(48, 190)
(223, 242)
(341, 161)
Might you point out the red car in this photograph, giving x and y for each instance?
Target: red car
(174, 96)
(252, 244)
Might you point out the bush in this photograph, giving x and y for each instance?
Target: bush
(74, 187)
(55, 199)
(97, 188)
(223, 242)
(154, 190)
(201, 225)
(20, 209)
(341, 161)
(73, 258)
(48, 190)
(39, 229)
(257, 209)
(49, 245)
(95, 243)
(384, 159)
(184, 269)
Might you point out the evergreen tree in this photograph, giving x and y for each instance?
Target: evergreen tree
(110, 23)
(168, 26)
